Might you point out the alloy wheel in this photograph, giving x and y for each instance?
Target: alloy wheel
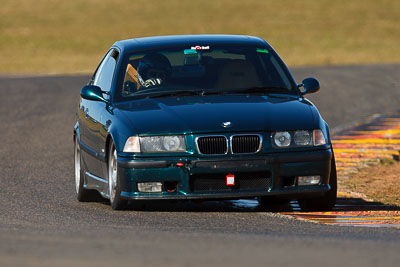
(113, 174)
(77, 166)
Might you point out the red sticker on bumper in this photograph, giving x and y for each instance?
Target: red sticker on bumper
(230, 180)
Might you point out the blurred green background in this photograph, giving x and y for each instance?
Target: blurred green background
(51, 36)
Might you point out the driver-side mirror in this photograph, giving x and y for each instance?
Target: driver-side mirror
(311, 85)
(93, 92)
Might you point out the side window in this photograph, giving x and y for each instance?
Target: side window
(105, 72)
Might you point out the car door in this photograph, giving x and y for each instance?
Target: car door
(93, 132)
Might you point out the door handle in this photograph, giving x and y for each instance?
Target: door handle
(86, 113)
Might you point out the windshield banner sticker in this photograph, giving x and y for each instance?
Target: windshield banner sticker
(198, 47)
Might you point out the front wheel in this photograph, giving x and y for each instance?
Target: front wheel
(114, 189)
(326, 202)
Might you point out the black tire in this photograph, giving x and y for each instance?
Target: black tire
(114, 189)
(272, 200)
(274, 204)
(82, 194)
(328, 201)
(137, 205)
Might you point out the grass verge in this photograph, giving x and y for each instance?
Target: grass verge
(379, 182)
(51, 36)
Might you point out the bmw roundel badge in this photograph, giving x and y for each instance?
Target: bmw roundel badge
(227, 124)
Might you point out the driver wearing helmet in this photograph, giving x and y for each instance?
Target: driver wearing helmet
(153, 69)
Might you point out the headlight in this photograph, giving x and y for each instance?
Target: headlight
(282, 139)
(301, 138)
(155, 144)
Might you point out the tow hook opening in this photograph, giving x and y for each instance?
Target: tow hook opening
(171, 186)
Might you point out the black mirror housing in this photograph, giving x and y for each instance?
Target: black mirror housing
(311, 85)
(92, 92)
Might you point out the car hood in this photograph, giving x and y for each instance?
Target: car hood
(206, 114)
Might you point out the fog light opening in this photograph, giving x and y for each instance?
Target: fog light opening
(171, 186)
(150, 187)
(288, 181)
(308, 180)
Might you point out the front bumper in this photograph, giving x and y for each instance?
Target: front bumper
(281, 170)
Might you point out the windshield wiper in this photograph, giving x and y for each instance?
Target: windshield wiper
(176, 93)
(263, 90)
(202, 92)
(187, 92)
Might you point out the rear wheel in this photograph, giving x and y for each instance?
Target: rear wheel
(114, 189)
(328, 201)
(82, 194)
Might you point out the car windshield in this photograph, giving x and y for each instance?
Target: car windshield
(203, 70)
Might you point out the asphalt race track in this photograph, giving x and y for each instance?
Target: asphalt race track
(41, 223)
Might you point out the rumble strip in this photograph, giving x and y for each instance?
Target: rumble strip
(359, 147)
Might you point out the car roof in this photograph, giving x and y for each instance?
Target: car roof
(189, 40)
